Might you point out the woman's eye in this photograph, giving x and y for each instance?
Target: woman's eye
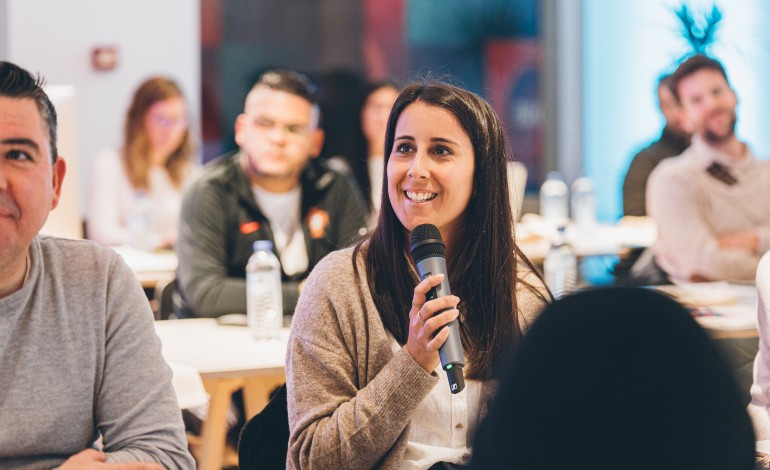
(442, 151)
(403, 148)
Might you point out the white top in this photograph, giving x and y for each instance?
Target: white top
(444, 424)
(112, 200)
(376, 169)
(759, 408)
(282, 211)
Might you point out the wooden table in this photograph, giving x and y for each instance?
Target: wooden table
(149, 267)
(725, 310)
(228, 359)
(534, 235)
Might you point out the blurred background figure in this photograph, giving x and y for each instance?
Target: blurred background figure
(616, 378)
(271, 188)
(137, 191)
(674, 139)
(366, 160)
(355, 115)
(704, 202)
(759, 408)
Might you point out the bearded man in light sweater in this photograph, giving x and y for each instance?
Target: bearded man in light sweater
(710, 202)
(82, 381)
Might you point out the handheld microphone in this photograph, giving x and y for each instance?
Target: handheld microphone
(429, 252)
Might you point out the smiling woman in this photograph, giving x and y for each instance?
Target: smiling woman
(366, 333)
(430, 169)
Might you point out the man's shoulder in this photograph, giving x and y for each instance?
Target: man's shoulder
(77, 262)
(219, 170)
(320, 175)
(677, 167)
(72, 248)
(329, 185)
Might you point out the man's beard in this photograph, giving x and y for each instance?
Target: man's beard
(714, 138)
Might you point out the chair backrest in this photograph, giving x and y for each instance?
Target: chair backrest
(164, 297)
(264, 439)
(517, 185)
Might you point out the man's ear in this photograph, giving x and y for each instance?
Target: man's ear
(317, 142)
(240, 127)
(59, 168)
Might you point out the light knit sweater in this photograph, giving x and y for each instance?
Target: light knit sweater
(692, 208)
(80, 360)
(759, 408)
(351, 398)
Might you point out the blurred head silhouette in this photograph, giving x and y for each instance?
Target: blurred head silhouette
(616, 378)
(673, 113)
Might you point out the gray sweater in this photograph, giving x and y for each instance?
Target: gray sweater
(78, 357)
(350, 398)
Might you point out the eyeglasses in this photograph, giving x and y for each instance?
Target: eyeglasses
(263, 124)
(168, 122)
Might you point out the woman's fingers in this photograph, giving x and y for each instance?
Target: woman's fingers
(432, 307)
(427, 319)
(422, 289)
(439, 334)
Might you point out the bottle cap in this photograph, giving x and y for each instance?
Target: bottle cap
(264, 245)
(583, 184)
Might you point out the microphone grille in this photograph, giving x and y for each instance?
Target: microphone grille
(426, 241)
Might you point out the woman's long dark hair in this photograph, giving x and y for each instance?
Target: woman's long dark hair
(483, 261)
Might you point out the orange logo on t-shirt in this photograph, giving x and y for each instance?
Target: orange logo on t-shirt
(316, 221)
(249, 227)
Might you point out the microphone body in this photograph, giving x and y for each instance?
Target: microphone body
(428, 251)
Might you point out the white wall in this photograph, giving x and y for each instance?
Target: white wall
(55, 38)
(65, 221)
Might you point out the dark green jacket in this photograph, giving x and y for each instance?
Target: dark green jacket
(220, 221)
(668, 145)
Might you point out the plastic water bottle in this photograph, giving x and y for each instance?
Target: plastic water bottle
(264, 306)
(583, 203)
(138, 222)
(560, 266)
(554, 200)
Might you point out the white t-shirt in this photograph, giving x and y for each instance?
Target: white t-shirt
(283, 211)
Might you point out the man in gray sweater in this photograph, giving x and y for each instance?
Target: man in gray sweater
(82, 380)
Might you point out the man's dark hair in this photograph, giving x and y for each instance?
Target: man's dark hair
(665, 81)
(291, 82)
(17, 83)
(694, 64)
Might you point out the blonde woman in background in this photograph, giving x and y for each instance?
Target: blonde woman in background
(137, 192)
